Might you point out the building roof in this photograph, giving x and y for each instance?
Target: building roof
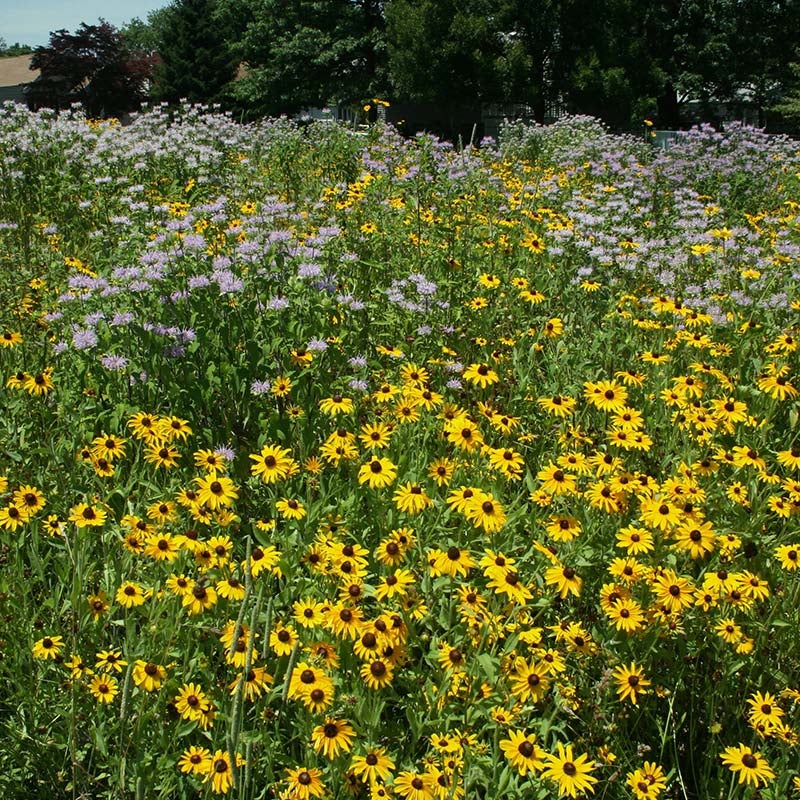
(15, 70)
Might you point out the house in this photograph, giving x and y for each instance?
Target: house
(15, 75)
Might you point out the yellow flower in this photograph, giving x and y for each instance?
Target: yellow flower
(752, 767)
(48, 647)
(216, 491)
(631, 682)
(84, 515)
(334, 736)
(104, 687)
(571, 774)
(148, 676)
(522, 752)
(290, 508)
(196, 761)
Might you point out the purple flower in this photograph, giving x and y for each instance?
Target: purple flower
(115, 363)
(316, 345)
(259, 387)
(84, 338)
(122, 318)
(357, 362)
(227, 452)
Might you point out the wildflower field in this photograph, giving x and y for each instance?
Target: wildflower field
(339, 465)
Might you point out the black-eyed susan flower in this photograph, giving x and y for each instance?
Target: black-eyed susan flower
(564, 579)
(231, 588)
(558, 405)
(414, 786)
(48, 647)
(332, 737)
(373, 766)
(9, 339)
(635, 540)
(77, 667)
(394, 585)
(273, 463)
(110, 661)
(281, 386)
(376, 436)
(764, 710)
(464, 433)
(647, 782)
(529, 681)
(411, 498)
(377, 473)
(631, 682)
(454, 561)
(191, 702)
(673, 592)
(104, 688)
(12, 517)
(161, 454)
(84, 515)
(195, 761)
(377, 673)
(216, 491)
(345, 620)
(304, 783)
(606, 395)
(282, 639)
(336, 405)
(130, 594)
(40, 383)
(485, 511)
(571, 774)
(220, 773)
(522, 752)
(290, 508)
(789, 556)
(556, 481)
(626, 615)
(148, 675)
(752, 768)
(200, 599)
(481, 375)
(251, 683)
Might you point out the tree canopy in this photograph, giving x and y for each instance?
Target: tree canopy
(93, 66)
(673, 61)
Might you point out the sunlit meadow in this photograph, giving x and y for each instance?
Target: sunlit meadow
(341, 465)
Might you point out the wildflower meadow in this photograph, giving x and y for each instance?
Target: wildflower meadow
(335, 464)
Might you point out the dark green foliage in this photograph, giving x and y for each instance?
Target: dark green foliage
(306, 53)
(197, 62)
(443, 51)
(16, 49)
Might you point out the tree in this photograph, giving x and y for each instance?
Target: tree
(307, 53)
(444, 51)
(93, 66)
(530, 35)
(197, 62)
(16, 49)
(145, 35)
(763, 50)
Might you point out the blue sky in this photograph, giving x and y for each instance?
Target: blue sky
(31, 22)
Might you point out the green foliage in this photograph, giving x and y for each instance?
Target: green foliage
(16, 49)
(197, 61)
(308, 53)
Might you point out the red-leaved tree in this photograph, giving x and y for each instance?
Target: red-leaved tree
(94, 67)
